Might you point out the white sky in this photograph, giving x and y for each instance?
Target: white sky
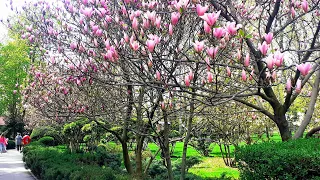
(5, 11)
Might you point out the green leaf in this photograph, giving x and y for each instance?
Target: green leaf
(248, 36)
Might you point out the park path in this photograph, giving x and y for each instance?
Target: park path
(12, 167)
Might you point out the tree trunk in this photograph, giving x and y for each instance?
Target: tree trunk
(126, 158)
(139, 156)
(282, 123)
(308, 116)
(166, 146)
(186, 140)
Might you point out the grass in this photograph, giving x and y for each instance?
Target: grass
(212, 166)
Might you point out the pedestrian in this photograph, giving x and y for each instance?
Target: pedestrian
(26, 139)
(2, 143)
(18, 142)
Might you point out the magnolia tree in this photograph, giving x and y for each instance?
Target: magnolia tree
(213, 51)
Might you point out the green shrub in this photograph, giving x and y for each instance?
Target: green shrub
(11, 144)
(297, 159)
(47, 141)
(40, 132)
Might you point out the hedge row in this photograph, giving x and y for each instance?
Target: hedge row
(52, 163)
(297, 159)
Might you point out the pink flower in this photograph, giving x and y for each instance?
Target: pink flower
(268, 37)
(135, 23)
(304, 68)
(293, 12)
(135, 45)
(288, 85)
(187, 81)
(247, 60)
(158, 22)
(151, 44)
(14, 91)
(158, 75)
(238, 54)
(175, 18)
(298, 86)
(228, 71)
(191, 75)
(209, 77)
(270, 62)
(170, 29)
(87, 12)
(219, 32)
(232, 28)
(163, 105)
(211, 18)
(251, 75)
(73, 46)
(243, 75)
(274, 75)
(206, 27)
(201, 9)
(263, 48)
(278, 57)
(305, 6)
(198, 46)
(212, 52)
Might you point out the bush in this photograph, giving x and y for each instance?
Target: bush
(40, 132)
(11, 144)
(55, 163)
(297, 159)
(47, 141)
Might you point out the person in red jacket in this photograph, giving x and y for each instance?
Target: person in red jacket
(26, 139)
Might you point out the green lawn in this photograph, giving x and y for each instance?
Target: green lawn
(212, 166)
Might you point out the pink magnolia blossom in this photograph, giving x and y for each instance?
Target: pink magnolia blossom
(211, 18)
(298, 86)
(274, 75)
(87, 12)
(158, 76)
(191, 75)
(198, 46)
(201, 9)
(206, 27)
(278, 57)
(251, 75)
(238, 54)
(243, 75)
(135, 45)
(228, 71)
(135, 23)
(246, 62)
(163, 105)
(187, 81)
(209, 77)
(263, 48)
(150, 44)
(175, 18)
(158, 22)
(305, 6)
(304, 68)
(293, 12)
(270, 62)
(170, 29)
(268, 37)
(232, 28)
(73, 46)
(212, 52)
(288, 85)
(219, 32)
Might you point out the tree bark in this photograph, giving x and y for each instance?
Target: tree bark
(139, 138)
(282, 123)
(126, 157)
(186, 140)
(308, 116)
(312, 131)
(166, 145)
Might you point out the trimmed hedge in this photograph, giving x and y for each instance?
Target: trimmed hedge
(11, 144)
(52, 163)
(296, 159)
(47, 141)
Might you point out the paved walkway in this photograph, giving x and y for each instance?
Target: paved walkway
(12, 167)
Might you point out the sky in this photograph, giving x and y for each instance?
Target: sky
(5, 12)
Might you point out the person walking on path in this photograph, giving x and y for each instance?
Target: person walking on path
(19, 142)
(26, 139)
(2, 143)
